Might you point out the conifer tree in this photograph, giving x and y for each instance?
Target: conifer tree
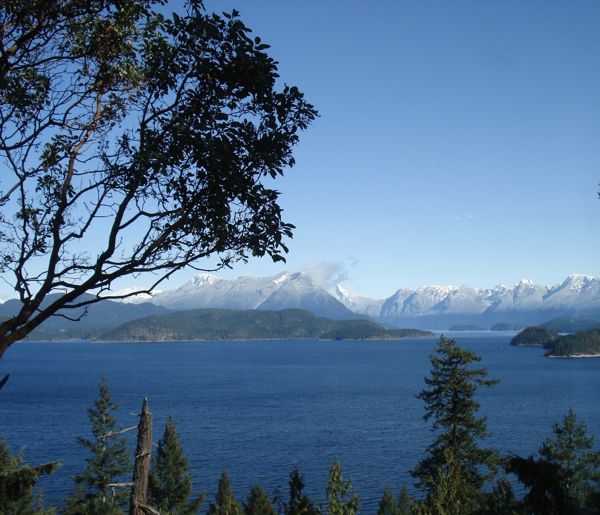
(340, 498)
(258, 503)
(17, 481)
(170, 483)
(225, 502)
(571, 448)
(455, 468)
(391, 505)
(108, 463)
(388, 504)
(299, 503)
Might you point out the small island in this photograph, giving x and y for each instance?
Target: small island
(503, 326)
(536, 336)
(465, 327)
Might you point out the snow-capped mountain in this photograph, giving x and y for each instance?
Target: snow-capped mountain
(358, 303)
(524, 302)
(285, 290)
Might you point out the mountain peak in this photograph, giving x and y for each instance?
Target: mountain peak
(205, 278)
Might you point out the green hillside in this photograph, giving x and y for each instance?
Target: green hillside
(536, 336)
(226, 324)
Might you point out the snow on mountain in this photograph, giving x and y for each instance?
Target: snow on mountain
(285, 290)
(408, 302)
(464, 300)
(576, 292)
(297, 290)
(358, 303)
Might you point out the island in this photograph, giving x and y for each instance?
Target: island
(230, 324)
(536, 336)
(503, 326)
(465, 327)
(584, 344)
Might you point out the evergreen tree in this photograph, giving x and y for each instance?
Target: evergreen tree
(571, 449)
(455, 468)
(108, 462)
(389, 504)
(501, 500)
(17, 481)
(340, 499)
(225, 502)
(405, 502)
(299, 504)
(170, 483)
(258, 503)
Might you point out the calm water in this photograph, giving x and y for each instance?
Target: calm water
(260, 408)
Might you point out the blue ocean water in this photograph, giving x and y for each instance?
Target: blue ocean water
(261, 408)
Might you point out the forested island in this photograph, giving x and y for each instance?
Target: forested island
(537, 336)
(229, 324)
(580, 344)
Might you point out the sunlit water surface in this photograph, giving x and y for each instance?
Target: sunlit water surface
(261, 408)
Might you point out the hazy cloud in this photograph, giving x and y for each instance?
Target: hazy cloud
(326, 274)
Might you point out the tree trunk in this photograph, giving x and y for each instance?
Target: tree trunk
(141, 467)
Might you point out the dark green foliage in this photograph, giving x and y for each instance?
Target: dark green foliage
(258, 503)
(584, 343)
(166, 129)
(225, 502)
(546, 494)
(17, 481)
(536, 336)
(501, 500)
(226, 324)
(455, 468)
(108, 464)
(170, 483)
(340, 498)
(571, 448)
(299, 503)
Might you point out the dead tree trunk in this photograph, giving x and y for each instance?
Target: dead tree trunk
(141, 468)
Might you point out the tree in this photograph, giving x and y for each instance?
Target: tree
(571, 448)
(108, 462)
(258, 503)
(17, 481)
(225, 502)
(170, 483)
(340, 498)
(390, 505)
(299, 503)
(134, 142)
(455, 468)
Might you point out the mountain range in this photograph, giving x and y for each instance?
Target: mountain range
(437, 307)
(427, 307)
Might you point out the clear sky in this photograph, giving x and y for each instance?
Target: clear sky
(458, 141)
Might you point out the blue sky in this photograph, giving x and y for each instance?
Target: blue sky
(459, 142)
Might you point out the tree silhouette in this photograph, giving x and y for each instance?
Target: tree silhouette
(134, 142)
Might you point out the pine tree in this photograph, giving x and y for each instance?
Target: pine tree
(455, 468)
(225, 502)
(170, 483)
(258, 503)
(17, 481)
(391, 505)
(340, 499)
(299, 504)
(388, 504)
(571, 449)
(108, 462)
